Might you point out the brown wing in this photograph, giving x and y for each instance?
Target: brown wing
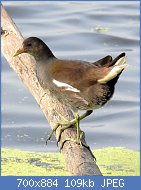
(81, 75)
(78, 74)
(70, 72)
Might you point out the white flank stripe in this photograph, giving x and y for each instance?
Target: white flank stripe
(64, 85)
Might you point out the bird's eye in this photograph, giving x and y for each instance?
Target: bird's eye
(29, 45)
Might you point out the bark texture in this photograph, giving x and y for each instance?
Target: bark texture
(79, 160)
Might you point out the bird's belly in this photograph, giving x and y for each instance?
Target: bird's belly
(92, 100)
(89, 99)
(76, 101)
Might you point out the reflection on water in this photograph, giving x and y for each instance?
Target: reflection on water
(70, 30)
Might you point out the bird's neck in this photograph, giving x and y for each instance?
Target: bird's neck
(44, 56)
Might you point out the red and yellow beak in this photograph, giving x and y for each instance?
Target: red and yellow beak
(19, 51)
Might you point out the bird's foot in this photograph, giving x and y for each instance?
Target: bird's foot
(51, 133)
(75, 140)
(64, 122)
(67, 124)
(75, 122)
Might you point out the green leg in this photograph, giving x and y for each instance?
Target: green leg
(78, 130)
(51, 133)
(75, 122)
(68, 124)
(64, 122)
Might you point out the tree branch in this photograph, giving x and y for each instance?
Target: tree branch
(78, 159)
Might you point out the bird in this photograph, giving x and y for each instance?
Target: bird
(80, 85)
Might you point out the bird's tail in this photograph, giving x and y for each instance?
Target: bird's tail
(115, 68)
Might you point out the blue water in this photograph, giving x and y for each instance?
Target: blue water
(72, 31)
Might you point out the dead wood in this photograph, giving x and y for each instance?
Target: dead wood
(79, 160)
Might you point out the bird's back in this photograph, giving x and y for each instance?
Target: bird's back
(86, 85)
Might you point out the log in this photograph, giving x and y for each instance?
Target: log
(79, 160)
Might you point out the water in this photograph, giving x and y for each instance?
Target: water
(71, 31)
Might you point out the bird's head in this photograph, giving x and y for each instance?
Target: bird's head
(35, 47)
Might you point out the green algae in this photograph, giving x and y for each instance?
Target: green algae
(112, 161)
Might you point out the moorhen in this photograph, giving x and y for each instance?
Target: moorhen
(80, 85)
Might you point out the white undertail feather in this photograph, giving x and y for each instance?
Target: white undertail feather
(118, 67)
(65, 86)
